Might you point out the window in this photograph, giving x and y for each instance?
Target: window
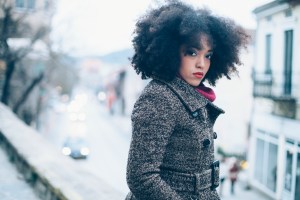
(26, 4)
(47, 4)
(288, 56)
(297, 187)
(288, 171)
(268, 54)
(272, 167)
(288, 12)
(259, 160)
(31, 4)
(265, 170)
(20, 3)
(292, 170)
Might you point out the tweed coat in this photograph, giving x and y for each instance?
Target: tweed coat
(172, 140)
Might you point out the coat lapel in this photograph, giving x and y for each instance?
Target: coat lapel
(192, 99)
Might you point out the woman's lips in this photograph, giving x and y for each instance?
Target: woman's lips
(198, 74)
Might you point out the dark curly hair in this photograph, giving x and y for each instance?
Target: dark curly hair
(161, 31)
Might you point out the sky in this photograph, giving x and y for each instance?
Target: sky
(99, 27)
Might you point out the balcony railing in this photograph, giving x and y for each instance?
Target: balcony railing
(274, 86)
(262, 85)
(278, 89)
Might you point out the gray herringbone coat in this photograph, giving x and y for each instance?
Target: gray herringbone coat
(171, 124)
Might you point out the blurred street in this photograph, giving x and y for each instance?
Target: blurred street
(109, 138)
(107, 141)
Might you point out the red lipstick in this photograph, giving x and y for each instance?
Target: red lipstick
(198, 74)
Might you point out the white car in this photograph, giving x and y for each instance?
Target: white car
(76, 147)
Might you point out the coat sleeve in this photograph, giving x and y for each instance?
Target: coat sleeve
(153, 122)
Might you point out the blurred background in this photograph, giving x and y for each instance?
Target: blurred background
(65, 73)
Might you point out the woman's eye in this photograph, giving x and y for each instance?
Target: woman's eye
(191, 53)
(208, 56)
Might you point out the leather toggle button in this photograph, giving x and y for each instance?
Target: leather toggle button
(206, 143)
(215, 135)
(195, 114)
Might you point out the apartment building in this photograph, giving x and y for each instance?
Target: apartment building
(38, 12)
(33, 15)
(24, 52)
(274, 148)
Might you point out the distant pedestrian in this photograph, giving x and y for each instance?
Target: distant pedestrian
(171, 154)
(223, 174)
(233, 175)
(111, 98)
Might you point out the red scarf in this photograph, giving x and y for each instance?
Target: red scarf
(206, 92)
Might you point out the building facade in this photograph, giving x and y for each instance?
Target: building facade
(274, 148)
(30, 17)
(33, 15)
(24, 54)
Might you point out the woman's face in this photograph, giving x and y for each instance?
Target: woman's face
(195, 62)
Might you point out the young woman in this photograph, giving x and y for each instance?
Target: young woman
(171, 156)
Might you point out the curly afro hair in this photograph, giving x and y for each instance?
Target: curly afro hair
(160, 33)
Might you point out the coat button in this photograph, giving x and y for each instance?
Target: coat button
(215, 135)
(195, 114)
(206, 143)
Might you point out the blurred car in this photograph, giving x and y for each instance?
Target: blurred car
(76, 147)
(101, 96)
(80, 116)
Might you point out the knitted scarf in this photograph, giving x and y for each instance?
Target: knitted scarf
(206, 92)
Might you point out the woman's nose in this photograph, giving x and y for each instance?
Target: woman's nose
(200, 62)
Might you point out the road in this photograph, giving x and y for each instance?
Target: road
(109, 146)
(108, 142)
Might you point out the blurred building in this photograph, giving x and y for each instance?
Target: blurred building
(36, 12)
(274, 151)
(32, 15)
(133, 87)
(26, 29)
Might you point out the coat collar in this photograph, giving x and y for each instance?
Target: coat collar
(192, 99)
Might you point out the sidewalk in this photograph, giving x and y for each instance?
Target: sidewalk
(241, 193)
(12, 185)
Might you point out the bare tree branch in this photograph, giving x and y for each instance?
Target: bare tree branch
(24, 97)
(10, 27)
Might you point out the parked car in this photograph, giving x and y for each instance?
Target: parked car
(76, 147)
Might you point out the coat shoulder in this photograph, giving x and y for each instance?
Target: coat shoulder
(156, 97)
(158, 90)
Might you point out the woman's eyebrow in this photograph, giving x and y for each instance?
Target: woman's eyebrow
(201, 48)
(197, 47)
